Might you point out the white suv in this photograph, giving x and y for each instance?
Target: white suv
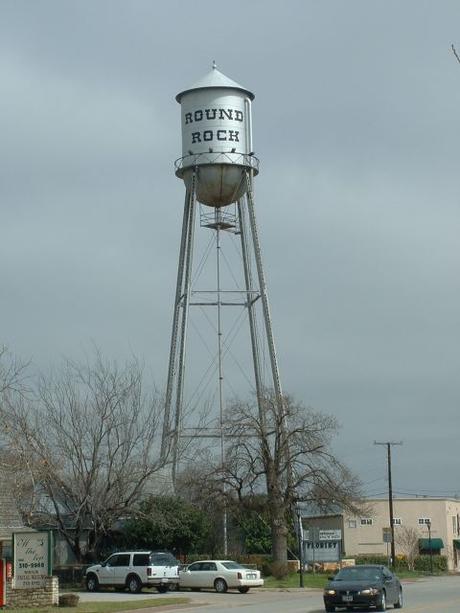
(134, 570)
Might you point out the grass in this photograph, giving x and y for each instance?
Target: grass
(108, 607)
(319, 580)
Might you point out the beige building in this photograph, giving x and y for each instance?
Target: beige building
(365, 535)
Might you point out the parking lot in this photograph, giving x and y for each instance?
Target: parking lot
(428, 595)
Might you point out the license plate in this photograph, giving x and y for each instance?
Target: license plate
(347, 598)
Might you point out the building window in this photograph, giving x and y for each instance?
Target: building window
(422, 521)
(397, 521)
(352, 523)
(366, 521)
(454, 524)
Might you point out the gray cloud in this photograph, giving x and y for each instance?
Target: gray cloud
(355, 119)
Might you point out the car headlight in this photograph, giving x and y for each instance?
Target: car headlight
(329, 592)
(370, 591)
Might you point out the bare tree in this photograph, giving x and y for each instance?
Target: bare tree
(14, 380)
(284, 453)
(89, 441)
(407, 539)
(13, 374)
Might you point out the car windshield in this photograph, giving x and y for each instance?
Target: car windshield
(163, 559)
(357, 573)
(232, 565)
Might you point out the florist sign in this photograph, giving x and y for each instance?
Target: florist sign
(32, 559)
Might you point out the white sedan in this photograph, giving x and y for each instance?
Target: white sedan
(220, 575)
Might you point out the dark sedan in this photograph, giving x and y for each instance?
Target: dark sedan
(364, 586)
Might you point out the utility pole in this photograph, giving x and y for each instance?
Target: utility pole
(428, 525)
(388, 445)
(300, 539)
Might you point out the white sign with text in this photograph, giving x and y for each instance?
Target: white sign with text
(315, 535)
(31, 559)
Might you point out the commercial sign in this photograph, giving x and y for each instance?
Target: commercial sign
(386, 535)
(315, 535)
(32, 559)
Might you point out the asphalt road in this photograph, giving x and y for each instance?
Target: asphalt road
(429, 595)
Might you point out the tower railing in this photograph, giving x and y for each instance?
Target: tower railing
(248, 160)
(224, 218)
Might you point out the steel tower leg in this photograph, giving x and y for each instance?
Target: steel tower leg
(166, 443)
(179, 326)
(264, 295)
(183, 332)
(269, 332)
(250, 306)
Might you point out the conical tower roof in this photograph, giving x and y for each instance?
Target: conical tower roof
(215, 78)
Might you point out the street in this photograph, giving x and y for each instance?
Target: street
(428, 595)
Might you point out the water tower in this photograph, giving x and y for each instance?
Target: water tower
(218, 167)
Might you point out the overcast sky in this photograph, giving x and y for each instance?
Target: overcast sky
(356, 124)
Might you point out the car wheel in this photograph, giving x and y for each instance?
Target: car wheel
(163, 588)
(383, 603)
(399, 603)
(174, 587)
(243, 589)
(134, 585)
(92, 583)
(220, 586)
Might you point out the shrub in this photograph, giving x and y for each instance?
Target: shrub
(69, 600)
(421, 562)
(266, 567)
(371, 559)
(439, 563)
(279, 570)
(253, 559)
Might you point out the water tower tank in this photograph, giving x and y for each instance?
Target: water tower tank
(216, 138)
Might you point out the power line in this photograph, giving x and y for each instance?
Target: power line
(428, 494)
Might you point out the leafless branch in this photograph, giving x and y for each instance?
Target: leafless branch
(454, 51)
(89, 438)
